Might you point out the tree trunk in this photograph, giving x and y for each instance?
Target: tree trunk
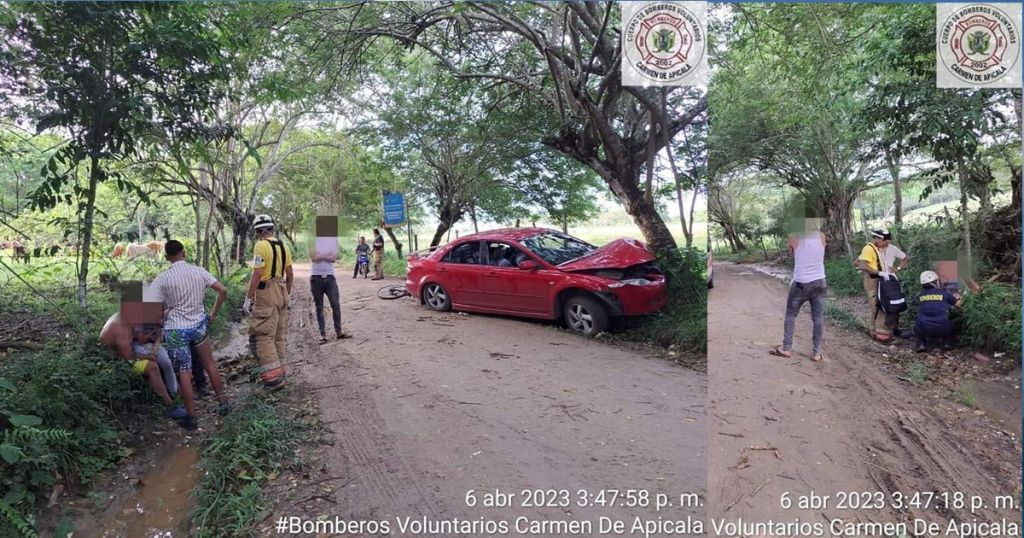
(239, 237)
(965, 219)
(897, 187)
(291, 241)
(394, 241)
(141, 220)
(645, 215)
(1016, 104)
(984, 202)
(198, 254)
(733, 238)
(90, 209)
(472, 216)
(687, 232)
(218, 255)
(565, 221)
(836, 216)
(446, 218)
(1015, 185)
(682, 211)
(438, 234)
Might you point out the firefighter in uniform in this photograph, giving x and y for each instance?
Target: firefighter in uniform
(268, 300)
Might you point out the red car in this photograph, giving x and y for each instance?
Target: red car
(539, 273)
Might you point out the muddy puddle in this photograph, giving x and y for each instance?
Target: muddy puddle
(161, 501)
(160, 505)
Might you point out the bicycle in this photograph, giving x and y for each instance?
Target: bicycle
(393, 291)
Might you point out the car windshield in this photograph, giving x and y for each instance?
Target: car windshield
(556, 248)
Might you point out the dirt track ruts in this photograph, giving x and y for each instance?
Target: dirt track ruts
(426, 406)
(845, 425)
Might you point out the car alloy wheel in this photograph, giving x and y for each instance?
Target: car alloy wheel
(580, 319)
(436, 297)
(585, 315)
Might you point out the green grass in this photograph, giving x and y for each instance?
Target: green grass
(917, 372)
(964, 393)
(844, 280)
(842, 317)
(992, 319)
(682, 324)
(255, 442)
(71, 397)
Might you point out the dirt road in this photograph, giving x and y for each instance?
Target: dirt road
(845, 425)
(426, 406)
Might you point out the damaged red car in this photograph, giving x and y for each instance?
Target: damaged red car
(539, 273)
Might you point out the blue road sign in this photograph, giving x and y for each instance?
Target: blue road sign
(394, 209)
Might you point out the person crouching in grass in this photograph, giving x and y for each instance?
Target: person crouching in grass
(934, 304)
(133, 333)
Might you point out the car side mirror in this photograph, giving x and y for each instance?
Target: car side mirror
(527, 265)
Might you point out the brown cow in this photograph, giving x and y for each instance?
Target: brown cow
(19, 251)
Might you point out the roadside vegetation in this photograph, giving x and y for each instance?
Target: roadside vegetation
(67, 409)
(253, 445)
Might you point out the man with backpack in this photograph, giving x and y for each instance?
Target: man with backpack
(879, 261)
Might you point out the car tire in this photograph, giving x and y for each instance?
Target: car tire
(585, 315)
(436, 297)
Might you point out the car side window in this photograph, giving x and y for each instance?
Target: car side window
(502, 255)
(466, 253)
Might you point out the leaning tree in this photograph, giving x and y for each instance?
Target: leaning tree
(565, 55)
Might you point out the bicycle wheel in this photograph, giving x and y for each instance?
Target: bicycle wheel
(393, 291)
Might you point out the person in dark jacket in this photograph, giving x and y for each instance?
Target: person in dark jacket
(934, 304)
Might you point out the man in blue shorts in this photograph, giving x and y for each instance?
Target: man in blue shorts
(181, 289)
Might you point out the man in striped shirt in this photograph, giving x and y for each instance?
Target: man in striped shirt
(181, 289)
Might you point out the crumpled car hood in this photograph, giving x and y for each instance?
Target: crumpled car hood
(619, 254)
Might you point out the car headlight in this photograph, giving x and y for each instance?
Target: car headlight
(630, 282)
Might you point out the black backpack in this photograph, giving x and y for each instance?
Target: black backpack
(890, 295)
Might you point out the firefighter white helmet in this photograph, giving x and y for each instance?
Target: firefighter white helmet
(927, 277)
(262, 222)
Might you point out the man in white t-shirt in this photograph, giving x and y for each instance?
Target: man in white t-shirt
(808, 250)
(324, 253)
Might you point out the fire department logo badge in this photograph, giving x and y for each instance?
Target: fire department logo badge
(664, 43)
(978, 45)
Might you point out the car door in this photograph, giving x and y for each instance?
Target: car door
(461, 272)
(513, 289)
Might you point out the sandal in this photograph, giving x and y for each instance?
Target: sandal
(323, 340)
(779, 352)
(817, 358)
(342, 336)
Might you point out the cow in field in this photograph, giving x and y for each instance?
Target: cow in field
(135, 250)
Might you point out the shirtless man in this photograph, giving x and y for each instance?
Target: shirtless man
(140, 343)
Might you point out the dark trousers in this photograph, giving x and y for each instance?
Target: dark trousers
(799, 293)
(319, 286)
(934, 334)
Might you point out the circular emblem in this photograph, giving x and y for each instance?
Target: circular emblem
(664, 42)
(979, 43)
